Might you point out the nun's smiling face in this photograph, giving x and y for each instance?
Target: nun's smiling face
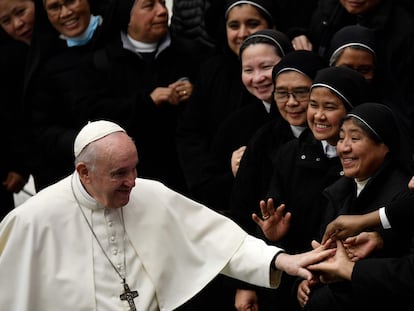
(325, 111)
(69, 17)
(149, 21)
(242, 21)
(293, 108)
(258, 61)
(360, 155)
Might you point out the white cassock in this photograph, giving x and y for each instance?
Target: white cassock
(50, 260)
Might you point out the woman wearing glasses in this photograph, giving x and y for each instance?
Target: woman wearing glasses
(303, 167)
(292, 78)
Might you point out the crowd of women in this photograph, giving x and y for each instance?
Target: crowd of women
(280, 114)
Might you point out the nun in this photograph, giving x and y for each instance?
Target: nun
(369, 148)
(292, 78)
(355, 47)
(304, 167)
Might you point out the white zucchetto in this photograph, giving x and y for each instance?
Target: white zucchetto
(94, 131)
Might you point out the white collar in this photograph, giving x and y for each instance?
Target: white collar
(267, 106)
(137, 47)
(361, 185)
(329, 150)
(297, 130)
(86, 199)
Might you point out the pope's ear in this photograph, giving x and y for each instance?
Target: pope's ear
(82, 170)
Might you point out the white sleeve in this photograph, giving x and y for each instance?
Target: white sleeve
(252, 263)
(384, 219)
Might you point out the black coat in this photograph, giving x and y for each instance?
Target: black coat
(16, 140)
(50, 93)
(50, 100)
(218, 93)
(253, 176)
(235, 132)
(301, 171)
(388, 281)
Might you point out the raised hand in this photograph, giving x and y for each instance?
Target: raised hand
(275, 223)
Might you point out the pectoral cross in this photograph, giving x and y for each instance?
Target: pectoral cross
(129, 296)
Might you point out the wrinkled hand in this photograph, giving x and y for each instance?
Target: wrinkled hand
(339, 265)
(246, 300)
(14, 182)
(236, 158)
(326, 277)
(302, 43)
(362, 245)
(297, 264)
(275, 223)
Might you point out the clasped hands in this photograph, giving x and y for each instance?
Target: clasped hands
(174, 94)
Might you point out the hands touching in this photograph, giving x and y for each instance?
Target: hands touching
(340, 265)
(298, 264)
(349, 225)
(336, 267)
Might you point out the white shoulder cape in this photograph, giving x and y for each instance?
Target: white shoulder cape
(46, 248)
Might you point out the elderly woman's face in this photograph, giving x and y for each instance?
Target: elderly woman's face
(69, 17)
(292, 108)
(242, 21)
(360, 156)
(17, 18)
(149, 21)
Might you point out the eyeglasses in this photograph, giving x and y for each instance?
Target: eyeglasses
(299, 94)
(55, 8)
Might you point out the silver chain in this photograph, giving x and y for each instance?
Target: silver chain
(123, 278)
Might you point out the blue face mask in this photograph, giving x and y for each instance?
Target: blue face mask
(87, 35)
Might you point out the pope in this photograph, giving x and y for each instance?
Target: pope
(103, 239)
